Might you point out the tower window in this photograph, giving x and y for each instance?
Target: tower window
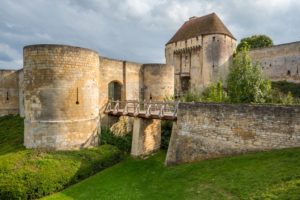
(77, 97)
(214, 38)
(288, 73)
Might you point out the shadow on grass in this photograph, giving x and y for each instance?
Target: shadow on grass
(11, 134)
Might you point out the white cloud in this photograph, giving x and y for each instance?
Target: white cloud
(133, 29)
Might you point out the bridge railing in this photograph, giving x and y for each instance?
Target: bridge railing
(143, 109)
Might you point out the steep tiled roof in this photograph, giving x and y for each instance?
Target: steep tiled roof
(196, 26)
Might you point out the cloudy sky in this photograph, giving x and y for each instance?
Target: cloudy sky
(134, 30)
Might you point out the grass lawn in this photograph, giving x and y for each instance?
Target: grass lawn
(266, 175)
(30, 174)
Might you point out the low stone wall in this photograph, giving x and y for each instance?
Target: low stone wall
(204, 131)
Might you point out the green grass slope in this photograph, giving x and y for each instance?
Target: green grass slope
(30, 174)
(266, 175)
(11, 134)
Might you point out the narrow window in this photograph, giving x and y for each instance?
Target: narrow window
(288, 73)
(77, 97)
(7, 96)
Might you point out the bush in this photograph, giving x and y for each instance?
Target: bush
(286, 87)
(277, 97)
(166, 130)
(214, 93)
(191, 96)
(121, 142)
(31, 174)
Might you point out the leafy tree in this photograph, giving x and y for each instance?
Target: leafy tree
(245, 82)
(255, 41)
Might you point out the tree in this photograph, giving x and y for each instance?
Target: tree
(255, 41)
(245, 82)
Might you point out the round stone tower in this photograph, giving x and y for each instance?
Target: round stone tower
(61, 97)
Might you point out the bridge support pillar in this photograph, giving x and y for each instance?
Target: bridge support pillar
(146, 136)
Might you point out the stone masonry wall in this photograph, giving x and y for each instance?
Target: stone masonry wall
(206, 131)
(9, 92)
(126, 73)
(158, 81)
(21, 92)
(280, 62)
(61, 94)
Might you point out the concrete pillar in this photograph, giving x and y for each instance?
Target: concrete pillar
(146, 136)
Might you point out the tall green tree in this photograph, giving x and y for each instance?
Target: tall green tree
(255, 41)
(245, 82)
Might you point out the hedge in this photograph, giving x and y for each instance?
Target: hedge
(31, 174)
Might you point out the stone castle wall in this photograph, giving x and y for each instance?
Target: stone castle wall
(158, 82)
(125, 73)
(206, 131)
(61, 97)
(9, 92)
(280, 62)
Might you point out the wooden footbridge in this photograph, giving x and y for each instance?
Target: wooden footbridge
(142, 109)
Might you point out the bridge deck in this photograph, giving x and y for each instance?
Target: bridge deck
(148, 110)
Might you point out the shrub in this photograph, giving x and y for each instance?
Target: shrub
(286, 87)
(121, 142)
(214, 93)
(277, 97)
(190, 96)
(31, 174)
